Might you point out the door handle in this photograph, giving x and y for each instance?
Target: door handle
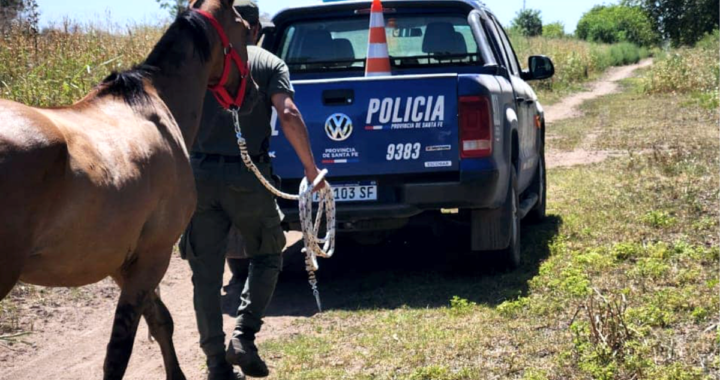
(338, 97)
(524, 100)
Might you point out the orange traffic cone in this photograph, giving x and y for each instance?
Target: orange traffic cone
(378, 59)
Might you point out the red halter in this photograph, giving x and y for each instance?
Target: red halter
(221, 93)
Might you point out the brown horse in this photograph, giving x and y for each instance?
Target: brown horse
(104, 187)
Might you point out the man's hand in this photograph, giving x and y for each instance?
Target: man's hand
(312, 173)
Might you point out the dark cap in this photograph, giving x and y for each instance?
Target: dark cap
(249, 10)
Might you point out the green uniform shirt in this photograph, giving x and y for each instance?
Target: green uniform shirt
(217, 134)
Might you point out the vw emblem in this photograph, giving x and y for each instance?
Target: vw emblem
(339, 127)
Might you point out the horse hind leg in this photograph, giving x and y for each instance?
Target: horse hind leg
(127, 318)
(161, 327)
(137, 281)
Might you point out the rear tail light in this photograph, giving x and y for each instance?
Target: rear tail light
(475, 127)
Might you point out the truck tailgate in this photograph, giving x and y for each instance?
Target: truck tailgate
(375, 126)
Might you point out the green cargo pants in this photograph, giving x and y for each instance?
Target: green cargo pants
(228, 194)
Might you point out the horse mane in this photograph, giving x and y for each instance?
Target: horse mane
(171, 49)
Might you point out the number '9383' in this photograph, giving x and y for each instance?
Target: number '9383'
(403, 152)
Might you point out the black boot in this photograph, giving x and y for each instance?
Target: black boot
(220, 369)
(242, 351)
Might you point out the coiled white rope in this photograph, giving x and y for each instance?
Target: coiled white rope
(315, 246)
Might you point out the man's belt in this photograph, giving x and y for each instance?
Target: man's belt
(258, 159)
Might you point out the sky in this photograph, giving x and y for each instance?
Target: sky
(125, 12)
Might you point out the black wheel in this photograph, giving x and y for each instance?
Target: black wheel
(510, 257)
(539, 186)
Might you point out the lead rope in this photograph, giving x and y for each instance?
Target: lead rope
(310, 229)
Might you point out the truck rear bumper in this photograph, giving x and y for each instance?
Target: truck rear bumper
(480, 192)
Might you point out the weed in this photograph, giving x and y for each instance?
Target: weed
(700, 314)
(626, 251)
(460, 306)
(512, 308)
(649, 268)
(534, 374)
(659, 219)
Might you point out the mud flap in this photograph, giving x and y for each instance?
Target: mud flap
(491, 230)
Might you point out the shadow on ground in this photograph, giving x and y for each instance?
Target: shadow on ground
(413, 269)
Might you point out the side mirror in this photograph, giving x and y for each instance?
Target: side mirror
(539, 67)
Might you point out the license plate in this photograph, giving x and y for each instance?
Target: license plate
(353, 192)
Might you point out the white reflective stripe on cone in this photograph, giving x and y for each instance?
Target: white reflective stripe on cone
(377, 20)
(378, 51)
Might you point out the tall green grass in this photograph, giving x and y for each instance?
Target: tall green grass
(59, 67)
(576, 61)
(693, 70)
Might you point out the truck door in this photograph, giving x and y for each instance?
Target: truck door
(525, 106)
(526, 100)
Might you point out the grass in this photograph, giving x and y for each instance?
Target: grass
(61, 66)
(576, 61)
(693, 71)
(626, 288)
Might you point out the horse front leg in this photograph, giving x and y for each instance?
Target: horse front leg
(161, 327)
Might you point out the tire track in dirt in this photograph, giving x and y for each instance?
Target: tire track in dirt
(568, 108)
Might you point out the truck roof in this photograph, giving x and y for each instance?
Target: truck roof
(312, 11)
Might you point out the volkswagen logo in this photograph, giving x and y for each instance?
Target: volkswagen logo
(339, 127)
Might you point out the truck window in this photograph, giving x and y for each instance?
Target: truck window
(413, 41)
(514, 66)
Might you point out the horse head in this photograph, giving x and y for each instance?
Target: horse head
(230, 79)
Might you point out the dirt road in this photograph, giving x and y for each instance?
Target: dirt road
(68, 340)
(569, 108)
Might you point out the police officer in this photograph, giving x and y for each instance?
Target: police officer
(229, 194)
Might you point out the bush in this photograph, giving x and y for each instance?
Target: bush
(528, 22)
(554, 30)
(617, 23)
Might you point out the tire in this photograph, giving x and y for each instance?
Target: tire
(539, 186)
(509, 258)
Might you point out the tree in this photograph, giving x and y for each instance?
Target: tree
(682, 22)
(528, 22)
(554, 30)
(617, 23)
(22, 12)
(174, 7)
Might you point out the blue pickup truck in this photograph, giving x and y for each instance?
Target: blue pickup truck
(454, 138)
